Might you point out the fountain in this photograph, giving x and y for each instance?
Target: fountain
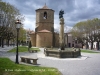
(62, 52)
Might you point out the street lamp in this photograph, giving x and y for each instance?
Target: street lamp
(18, 25)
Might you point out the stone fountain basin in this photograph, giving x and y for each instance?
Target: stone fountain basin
(63, 53)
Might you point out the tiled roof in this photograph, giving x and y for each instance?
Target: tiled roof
(44, 30)
(45, 7)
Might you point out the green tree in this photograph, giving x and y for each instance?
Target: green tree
(87, 31)
(22, 34)
(8, 16)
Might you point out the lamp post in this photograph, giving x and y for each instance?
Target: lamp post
(18, 25)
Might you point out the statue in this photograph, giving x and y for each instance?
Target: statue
(61, 12)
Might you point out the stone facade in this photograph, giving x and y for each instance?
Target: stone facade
(45, 19)
(44, 35)
(33, 39)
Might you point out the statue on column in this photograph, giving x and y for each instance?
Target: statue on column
(61, 12)
(61, 34)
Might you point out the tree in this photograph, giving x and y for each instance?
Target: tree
(22, 35)
(87, 31)
(77, 32)
(8, 16)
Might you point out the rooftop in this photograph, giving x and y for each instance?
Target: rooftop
(31, 32)
(44, 30)
(45, 7)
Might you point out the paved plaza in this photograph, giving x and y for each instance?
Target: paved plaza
(88, 64)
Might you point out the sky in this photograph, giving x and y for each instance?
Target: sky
(74, 11)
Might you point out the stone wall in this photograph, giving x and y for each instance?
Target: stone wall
(63, 53)
(44, 39)
(33, 39)
(42, 23)
(48, 26)
(56, 39)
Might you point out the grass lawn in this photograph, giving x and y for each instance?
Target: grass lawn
(23, 49)
(7, 67)
(89, 51)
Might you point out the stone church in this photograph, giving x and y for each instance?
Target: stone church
(44, 35)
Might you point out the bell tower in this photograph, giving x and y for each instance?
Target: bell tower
(44, 35)
(44, 19)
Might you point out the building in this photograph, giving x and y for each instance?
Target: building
(70, 42)
(27, 36)
(44, 35)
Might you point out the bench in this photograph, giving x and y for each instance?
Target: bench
(27, 59)
(33, 51)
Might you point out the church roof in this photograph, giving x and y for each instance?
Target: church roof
(44, 30)
(45, 7)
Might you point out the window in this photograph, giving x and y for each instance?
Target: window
(45, 15)
(72, 45)
(75, 41)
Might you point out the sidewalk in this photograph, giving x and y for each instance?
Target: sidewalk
(6, 48)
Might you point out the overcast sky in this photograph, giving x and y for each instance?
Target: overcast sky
(75, 10)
